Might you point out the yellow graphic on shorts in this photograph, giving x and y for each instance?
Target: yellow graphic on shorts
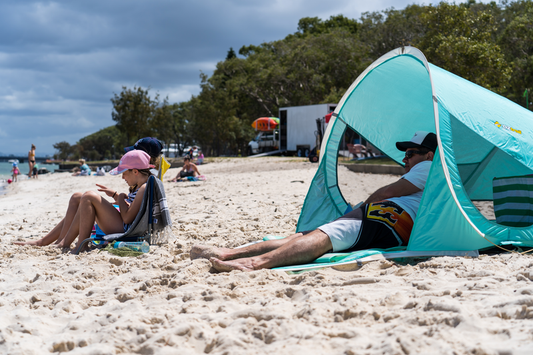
(383, 213)
(395, 217)
(501, 125)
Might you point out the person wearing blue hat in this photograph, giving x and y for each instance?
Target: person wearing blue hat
(150, 145)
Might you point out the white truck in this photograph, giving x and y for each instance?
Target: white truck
(296, 132)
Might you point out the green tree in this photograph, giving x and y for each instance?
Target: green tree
(461, 40)
(161, 121)
(170, 124)
(64, 149)
(298, 70)
(231, 54)
(213, 109)
(516, 41)
(104, 144)
(316, 26)
(384, 31)
(133, 110)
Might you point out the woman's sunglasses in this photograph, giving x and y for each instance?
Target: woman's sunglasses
(409, 154)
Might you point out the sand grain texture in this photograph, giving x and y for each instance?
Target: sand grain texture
(163, 303)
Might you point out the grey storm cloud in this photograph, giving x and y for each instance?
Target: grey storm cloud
(61, 61)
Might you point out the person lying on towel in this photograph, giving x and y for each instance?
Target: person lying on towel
(385, 220)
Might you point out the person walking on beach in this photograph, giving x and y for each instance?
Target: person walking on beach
(86, 208)
(384, 221)
(31, 160)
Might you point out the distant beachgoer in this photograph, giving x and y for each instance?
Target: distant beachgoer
(15, 172)
(31, 159)
(86, 208)
(35, 171)
(200, 159)
(190, 153)
(189, 169)
(83, 170)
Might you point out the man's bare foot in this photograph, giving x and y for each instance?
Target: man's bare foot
(37, 243)
(206, 252)
(226, 266)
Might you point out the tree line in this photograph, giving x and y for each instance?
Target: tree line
(488, 44)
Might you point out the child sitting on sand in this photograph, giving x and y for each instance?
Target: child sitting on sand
(84, 209)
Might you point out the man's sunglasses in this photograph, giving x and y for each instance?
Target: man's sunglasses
(409, 154)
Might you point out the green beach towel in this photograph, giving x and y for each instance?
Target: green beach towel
(361, 257)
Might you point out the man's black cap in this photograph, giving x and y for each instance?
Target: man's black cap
(420, 139)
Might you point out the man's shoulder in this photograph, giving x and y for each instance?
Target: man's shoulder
(422, 166)
(419, 174)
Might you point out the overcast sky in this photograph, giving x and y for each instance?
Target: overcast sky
(61, 61)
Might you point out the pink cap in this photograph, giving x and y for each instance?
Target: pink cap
(135, 159)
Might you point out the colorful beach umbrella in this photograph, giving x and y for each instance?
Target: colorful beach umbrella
(265, 123)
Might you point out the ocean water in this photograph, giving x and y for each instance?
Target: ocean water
(5, 172)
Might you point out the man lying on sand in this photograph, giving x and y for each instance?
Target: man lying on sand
(384, 221)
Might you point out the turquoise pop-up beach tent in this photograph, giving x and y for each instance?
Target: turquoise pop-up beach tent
(481, 136)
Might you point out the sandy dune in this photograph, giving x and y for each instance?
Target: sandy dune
(163, 303)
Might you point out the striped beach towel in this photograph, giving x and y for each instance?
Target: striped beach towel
(513, 200)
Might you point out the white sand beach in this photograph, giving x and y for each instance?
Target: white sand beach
(163, 303)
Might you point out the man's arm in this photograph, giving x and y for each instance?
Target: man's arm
(399, 188)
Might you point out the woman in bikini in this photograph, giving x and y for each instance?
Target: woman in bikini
(189, 169)
(31, 159)
(85, 209)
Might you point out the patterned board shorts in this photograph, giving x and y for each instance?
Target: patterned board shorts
(379, 225)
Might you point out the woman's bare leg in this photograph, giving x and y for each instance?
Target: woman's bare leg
(59, 231)
(92, 207)
(69, 216)
(206, 252)
(47, 239)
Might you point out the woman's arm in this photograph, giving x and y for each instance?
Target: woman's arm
(177, 177)
(129, 212)
(195, 168)
(109, 192)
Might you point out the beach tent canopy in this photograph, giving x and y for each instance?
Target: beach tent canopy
(481, 136)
